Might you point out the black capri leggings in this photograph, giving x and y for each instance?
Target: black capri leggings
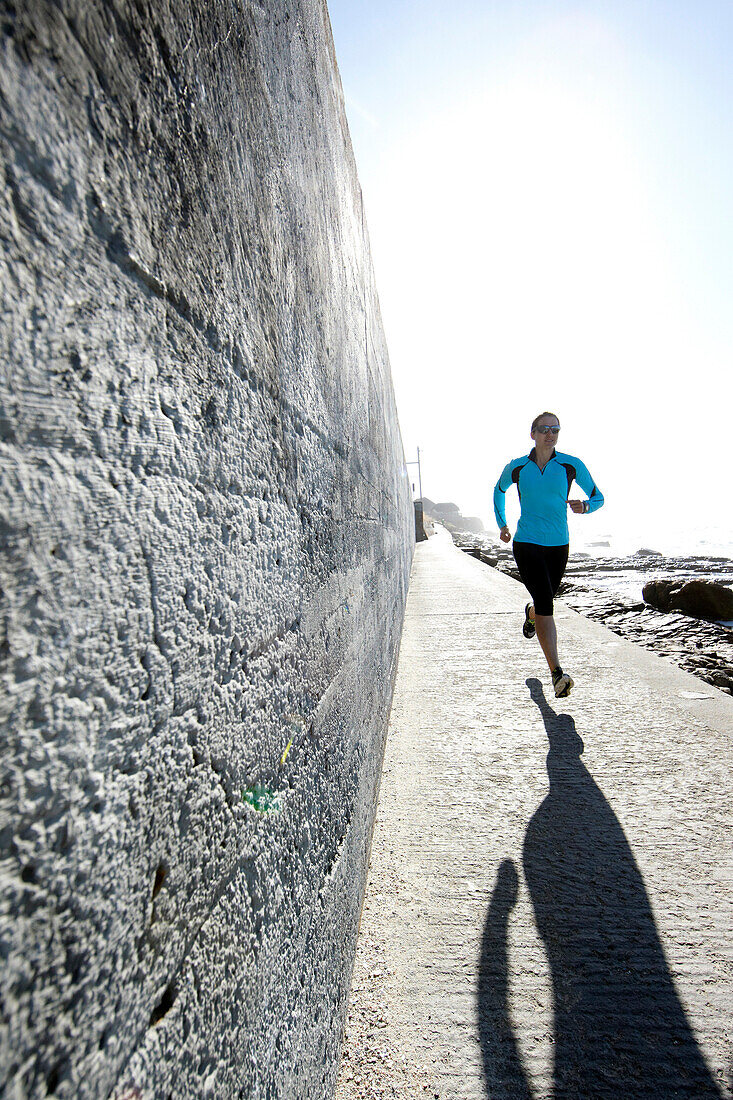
(541, 569)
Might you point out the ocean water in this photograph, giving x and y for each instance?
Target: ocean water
(678, 542)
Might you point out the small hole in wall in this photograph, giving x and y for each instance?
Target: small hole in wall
(52, 1081)
(63, 842)
(159, 879)
(28, 874)
(165, 1005)
(195, 751)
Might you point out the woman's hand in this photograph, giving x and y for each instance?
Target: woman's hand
(505, 534)
(578, 506)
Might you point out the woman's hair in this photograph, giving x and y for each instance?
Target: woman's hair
(537, 418)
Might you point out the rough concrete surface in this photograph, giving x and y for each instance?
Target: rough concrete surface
(549, 909)
(206, 533)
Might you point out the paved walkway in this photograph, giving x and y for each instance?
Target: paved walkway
(549, 911)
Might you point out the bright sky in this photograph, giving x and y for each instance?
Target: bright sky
(549, 192)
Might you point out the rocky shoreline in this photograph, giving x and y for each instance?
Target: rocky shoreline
(609, 589)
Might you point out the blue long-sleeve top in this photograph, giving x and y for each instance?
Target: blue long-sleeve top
(543, 496)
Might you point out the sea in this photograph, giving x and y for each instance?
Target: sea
(692, 542)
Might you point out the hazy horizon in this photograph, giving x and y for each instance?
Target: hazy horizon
(548, 191)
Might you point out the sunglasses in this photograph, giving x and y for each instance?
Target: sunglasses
(543, 429)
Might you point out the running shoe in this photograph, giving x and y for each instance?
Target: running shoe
(528, 626)
(562, 683)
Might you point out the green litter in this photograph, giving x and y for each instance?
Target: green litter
(262, 799)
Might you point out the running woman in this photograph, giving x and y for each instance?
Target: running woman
(543, 479)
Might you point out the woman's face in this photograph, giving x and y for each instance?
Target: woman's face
(546, 440)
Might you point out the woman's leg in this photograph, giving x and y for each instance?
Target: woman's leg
(547, 637)
(541, 569)
(556, 559)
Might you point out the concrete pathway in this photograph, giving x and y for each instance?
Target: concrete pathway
(549, 911)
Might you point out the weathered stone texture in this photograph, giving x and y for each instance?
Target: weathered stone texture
(206, 533)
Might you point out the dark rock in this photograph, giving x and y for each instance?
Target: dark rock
(701, 599)
(645, 553)
(480, 553)
(704, 600)
(658, 593)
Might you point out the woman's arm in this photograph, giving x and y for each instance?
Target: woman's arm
(499, 490)
(587, 484)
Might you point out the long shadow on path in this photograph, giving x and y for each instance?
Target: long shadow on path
(620, 1031)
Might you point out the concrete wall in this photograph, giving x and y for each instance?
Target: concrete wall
(206, 534)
